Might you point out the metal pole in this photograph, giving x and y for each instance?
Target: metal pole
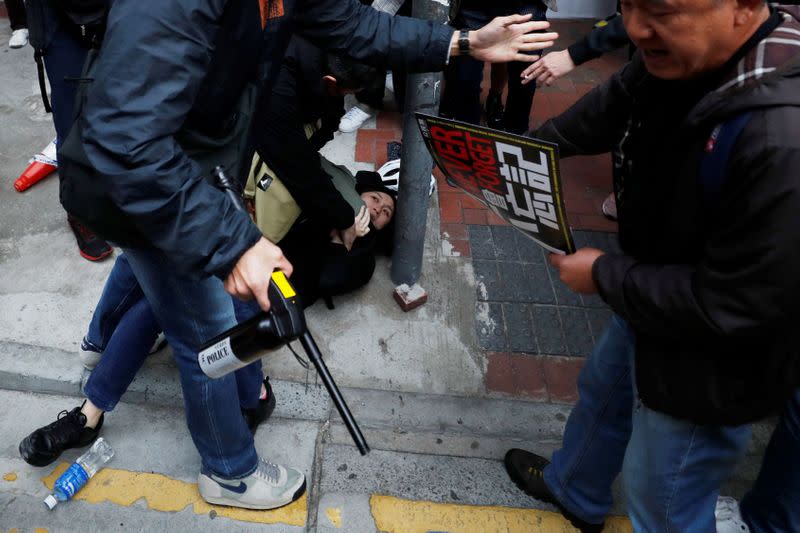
(422, 94)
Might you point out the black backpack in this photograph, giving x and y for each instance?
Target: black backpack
(86, 19)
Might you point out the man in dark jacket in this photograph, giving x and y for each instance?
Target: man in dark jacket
(172, 92)
(705, 292)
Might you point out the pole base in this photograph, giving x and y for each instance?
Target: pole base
(409, 298)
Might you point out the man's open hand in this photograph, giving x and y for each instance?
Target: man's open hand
(507, 39)
(250, 277)
(576, 269)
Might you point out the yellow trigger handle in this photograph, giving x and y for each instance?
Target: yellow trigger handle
(283, 284)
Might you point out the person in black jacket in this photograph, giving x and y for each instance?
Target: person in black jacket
(324, 265)
(60, 52)
(170, 98)
(310, 87)
(322, 246)
(606, 36)
(705, 291)
(461, 98)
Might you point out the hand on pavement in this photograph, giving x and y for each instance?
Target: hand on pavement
(549, 68)
(576, 269)
(507, 39)
(250, 277)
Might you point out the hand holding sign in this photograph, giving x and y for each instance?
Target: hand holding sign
(576, 269)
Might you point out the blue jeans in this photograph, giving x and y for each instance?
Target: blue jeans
(124, 328)
(461, 99)
(190, 312)
(672, 468)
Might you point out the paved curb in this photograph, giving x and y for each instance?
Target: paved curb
(394, 421)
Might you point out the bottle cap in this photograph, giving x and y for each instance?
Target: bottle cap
(50, 501)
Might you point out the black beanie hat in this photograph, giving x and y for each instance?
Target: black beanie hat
(368, 181)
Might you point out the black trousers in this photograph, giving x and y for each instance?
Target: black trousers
(464, 75)
(16, 14)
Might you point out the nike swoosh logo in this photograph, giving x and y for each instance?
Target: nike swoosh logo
(240, 489)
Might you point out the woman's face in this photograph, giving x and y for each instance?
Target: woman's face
(380, 207)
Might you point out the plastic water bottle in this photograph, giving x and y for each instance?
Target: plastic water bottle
(76, 476)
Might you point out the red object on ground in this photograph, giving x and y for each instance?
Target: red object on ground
(42, 165)
(36, 172)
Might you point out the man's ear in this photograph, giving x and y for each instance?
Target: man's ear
(330, 84)
(746, 10)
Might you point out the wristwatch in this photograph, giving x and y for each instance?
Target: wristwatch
(463, 42)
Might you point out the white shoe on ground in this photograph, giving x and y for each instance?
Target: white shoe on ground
(19, 38)
(270, 486)
(355, 118)
(729, 518)
(609, 207)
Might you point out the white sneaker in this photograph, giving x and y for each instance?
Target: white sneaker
(19, 38)
(88, 355)
(355, 118)
(269, 487)
(609, 207)
(729, 518)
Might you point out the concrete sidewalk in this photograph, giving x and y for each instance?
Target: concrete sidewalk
(441, 392)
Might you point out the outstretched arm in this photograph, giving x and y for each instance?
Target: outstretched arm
(410, 44)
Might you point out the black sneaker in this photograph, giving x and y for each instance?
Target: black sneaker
(495, 111)
(255, 416)
(526, 470)
(91, 246)
(45, 445)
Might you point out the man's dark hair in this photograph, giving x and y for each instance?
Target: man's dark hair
(350, 74)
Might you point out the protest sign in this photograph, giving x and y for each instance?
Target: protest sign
(516, 177)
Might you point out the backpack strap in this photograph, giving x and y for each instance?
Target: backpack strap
(37, 56)
(716, 157)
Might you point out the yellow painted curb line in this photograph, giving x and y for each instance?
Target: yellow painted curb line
(395, 515)
(162, 493)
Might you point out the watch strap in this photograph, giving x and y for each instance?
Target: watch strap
(463, 42)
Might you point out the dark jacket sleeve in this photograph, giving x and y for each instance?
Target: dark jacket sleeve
(146, 80)
(596, 122)
(294, 158)
(746, 282)
(374, 37)
(599, 41)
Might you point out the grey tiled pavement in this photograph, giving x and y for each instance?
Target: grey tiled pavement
(525, 307)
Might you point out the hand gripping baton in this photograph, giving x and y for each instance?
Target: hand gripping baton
(283, 323)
